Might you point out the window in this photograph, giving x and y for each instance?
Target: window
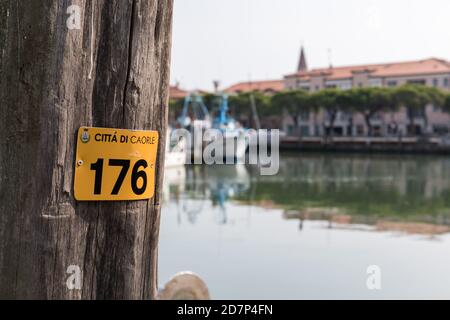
(416, 113)
(446, 82)
(304, 116)
(359, 130)
(376, 131)
(344, 116)
(391, 83)
(417, 81)
(375, 83)
(345, 86)
(377, 116)
(317, 130)
(290, 130)
(305, 131)
(440, 129)
(302, 85)
(393, 128)
(435, 82)
(306, 88)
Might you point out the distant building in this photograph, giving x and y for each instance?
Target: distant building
(263, 86)
(302, 65)
(176, 93)
(430, 72)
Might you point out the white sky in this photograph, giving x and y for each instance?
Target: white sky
(238, 40)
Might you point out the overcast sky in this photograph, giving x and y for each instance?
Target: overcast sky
(238, 40)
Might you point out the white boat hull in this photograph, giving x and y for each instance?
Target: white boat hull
(175, 159)
(176, 154)
(234, 148)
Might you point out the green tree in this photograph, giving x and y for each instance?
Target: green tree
(415, 98)
(295, 102)
(434, 96)
(240, 105)
(446, 104)
(212, 102)
(331, 101)
(370, 101)
(175, 107)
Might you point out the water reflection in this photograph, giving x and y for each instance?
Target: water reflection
(191, 187)
(312, 230)
(408, 194)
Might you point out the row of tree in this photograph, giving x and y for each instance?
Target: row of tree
(367, 101)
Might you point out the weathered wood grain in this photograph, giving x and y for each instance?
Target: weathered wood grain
(48, 89)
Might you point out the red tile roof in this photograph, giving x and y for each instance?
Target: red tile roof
(261, 86)
(176, 93)
(421, 67)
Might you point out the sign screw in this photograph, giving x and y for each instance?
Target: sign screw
(85, 136)
(80, 163)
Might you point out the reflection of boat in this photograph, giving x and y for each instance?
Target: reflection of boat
(235, 179)
(174, 182)
(216, 183)
(227, 182)
(396, 194)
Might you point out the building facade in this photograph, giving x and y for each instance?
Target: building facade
(430, 72)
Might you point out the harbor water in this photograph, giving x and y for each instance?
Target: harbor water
(314, 229)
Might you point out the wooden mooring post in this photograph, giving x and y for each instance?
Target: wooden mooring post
(66, 64)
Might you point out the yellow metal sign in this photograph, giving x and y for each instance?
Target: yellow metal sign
(115, 164)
